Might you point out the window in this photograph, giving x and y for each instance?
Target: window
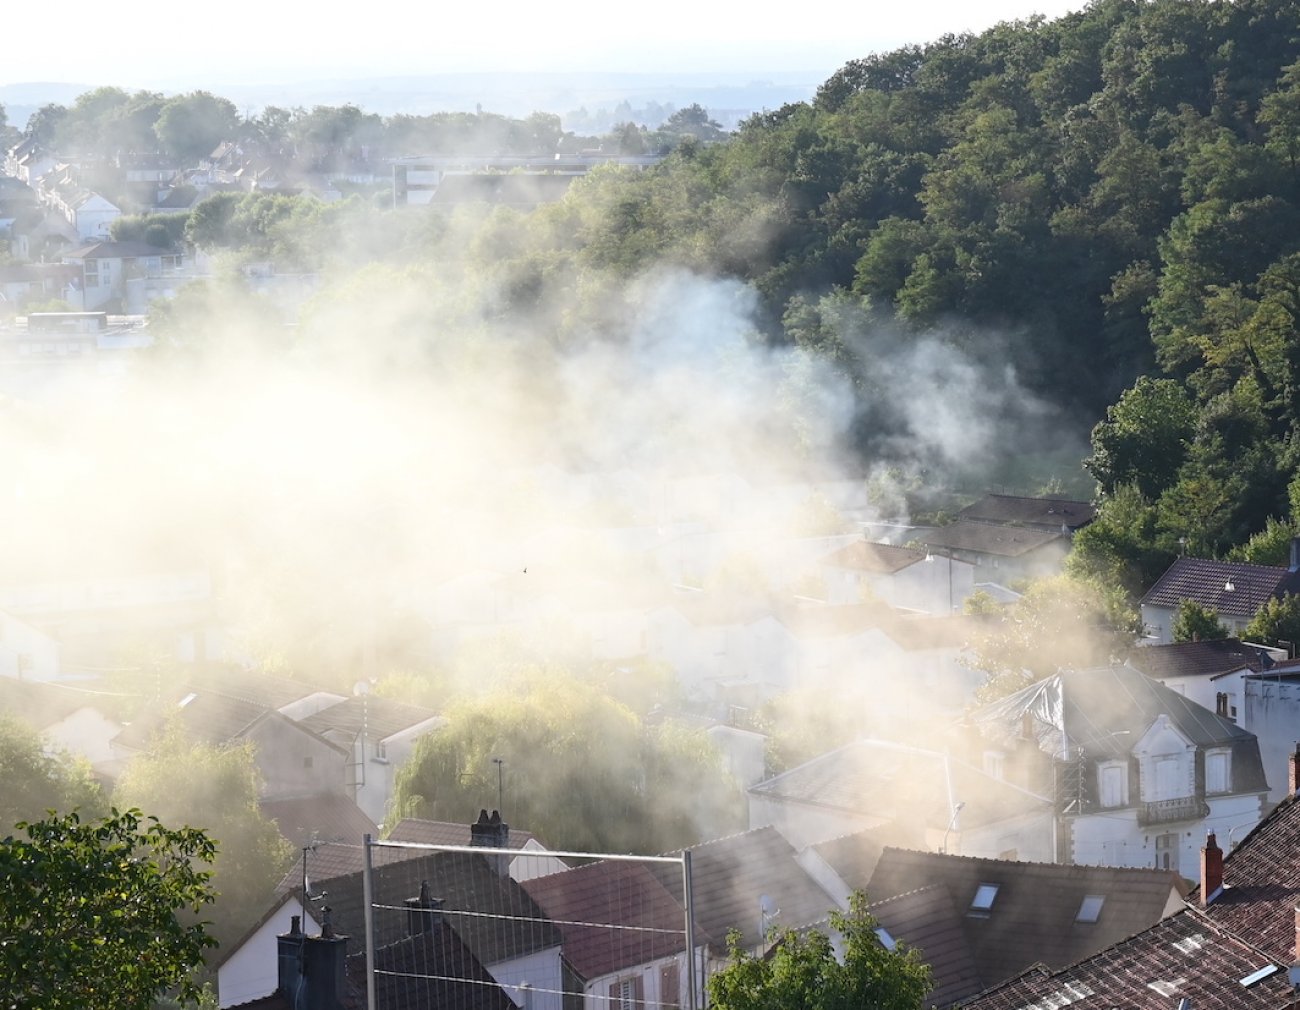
(1090, 908)
(985, 895)
(1167, 852)
(993, 763)
(1112, 779)
(886, 941)
(381, 751)
(1169, 784)
(626, 994)
(1218, 771)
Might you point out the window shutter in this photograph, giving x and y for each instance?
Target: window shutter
(669, 985)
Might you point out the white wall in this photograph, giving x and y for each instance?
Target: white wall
(1271, 710)
(541, 970)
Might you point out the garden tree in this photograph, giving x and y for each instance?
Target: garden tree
(1270, 546)
(163, 231)
(1196, 622)
(190, 126)
(1276, 622)
(692, 121)
(1061, 621)
(1144, 438)
(35, 781)
(801, 970)
(216, 789)
(1123, 546)
(581, 770)
(102, 914)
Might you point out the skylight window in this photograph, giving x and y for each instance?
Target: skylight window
(886, 941)
(1090, 908)
(984, 898)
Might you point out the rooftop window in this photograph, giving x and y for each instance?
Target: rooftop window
(1090, 908)
(985, 895)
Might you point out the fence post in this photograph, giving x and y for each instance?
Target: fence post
(368, 890)
(689, 893)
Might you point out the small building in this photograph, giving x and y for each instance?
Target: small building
(1208, 672)
(1001, 553)
(1051, 514)
(1234, 590)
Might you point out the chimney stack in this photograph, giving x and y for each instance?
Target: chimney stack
(1211, 870)
(288, 953)
(324, 959)
(1293, 770)
(492, 833)
(423, 913)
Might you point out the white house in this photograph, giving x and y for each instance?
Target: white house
(902, 577)
(1138, 773)
(1234, 590)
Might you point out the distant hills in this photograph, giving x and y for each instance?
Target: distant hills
(728, 96)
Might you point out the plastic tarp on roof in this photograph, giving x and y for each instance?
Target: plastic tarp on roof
(1044, 703)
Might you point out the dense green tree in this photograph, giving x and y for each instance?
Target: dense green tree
(222, 789)
(1277, 622)
(1196, 622)
(190, 126)
(1123, 546)
(102, 914)
(36, 781)
(582, 770)
(802, 970)
(1144, 438)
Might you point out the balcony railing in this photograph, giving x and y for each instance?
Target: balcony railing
(1185, 808)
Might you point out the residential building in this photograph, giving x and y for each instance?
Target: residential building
(1210, 672)
(1234, 945)
(902, 577)
(379, 734)
(1271, 710)
(907, 796)
(1234, 590)
(124, 275)
(1061, 515)
(1137, 771)
(69, 718)
(624, 937)
(530, 859)
(979, 922)
(1001, 553)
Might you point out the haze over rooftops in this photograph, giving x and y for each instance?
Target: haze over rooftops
(1208, 658)
(867, 556)
(986, 538)
(1048, 513)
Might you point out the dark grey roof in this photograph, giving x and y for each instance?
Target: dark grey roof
(1199, 659)
(1045, 513)
(493, 915)
(1204, 581)
(1105, 711)
(326, 817)
(730, 877)
(382, 717)
(1034, 915)
(986, 538)
(884, 559)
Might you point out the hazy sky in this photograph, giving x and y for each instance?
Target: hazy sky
(239, 41)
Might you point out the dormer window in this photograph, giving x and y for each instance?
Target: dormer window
(982, 903)
(1112, 782)
(1218, 771)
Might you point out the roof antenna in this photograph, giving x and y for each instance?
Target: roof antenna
(307, 896)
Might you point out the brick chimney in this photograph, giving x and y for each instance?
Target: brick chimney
(1293, 770)
(492, 833)
(1211, 870)
(423, 913)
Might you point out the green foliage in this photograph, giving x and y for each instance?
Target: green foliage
(581, 770)
(801, 970)
(1197, 623)
(35, 781)
(102, 914)
(190, 127)
(1124, 545)
(1059, 622)
(1270, 546)
(220, 796)
(1278, 620)
(1144, 438)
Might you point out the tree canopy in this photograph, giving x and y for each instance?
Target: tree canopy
(102, 914)
(802, 970)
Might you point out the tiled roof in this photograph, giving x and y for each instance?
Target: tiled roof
(206, 715)
(853, 857)
(328, 817)
(1261, 881)
(413, 829)
(866, 556)
(926, 920)
(731, 875)
(40, 704)
(585, 902)
(113, 250)
(382, 717)
(1198, 659)
(891, 782)
(493, 915)
(987, 538)
(830, 621)
(1182, 957)
(1204, 581)
(1049, 513)
(433, 969)
(255, 686)
(1033, 917)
